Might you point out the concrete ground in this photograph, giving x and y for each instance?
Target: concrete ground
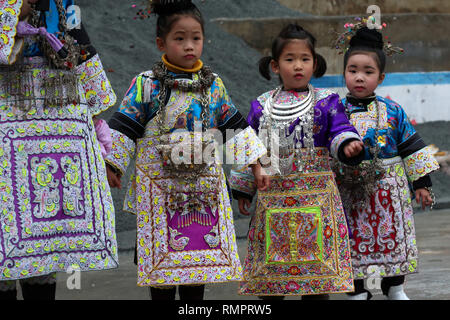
(432, 281)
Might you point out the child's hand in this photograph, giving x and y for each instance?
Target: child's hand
(262, 180)
(113, 178)
(353, 149)
(244, 205)
(424, 196)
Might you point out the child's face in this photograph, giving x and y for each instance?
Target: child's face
(295, 65)
(362, 75)
(183, 45)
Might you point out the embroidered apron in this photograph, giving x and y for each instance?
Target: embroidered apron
(298, 240)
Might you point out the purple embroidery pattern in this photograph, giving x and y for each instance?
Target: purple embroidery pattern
(55, 203)
(56, 209)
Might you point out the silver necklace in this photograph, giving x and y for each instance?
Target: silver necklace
(281, 112)
(285, 147)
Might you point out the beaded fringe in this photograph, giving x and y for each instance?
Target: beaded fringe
(22, 89)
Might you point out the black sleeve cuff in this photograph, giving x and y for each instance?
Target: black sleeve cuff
(413, 144)
(424, 182)
(83, 40)
(127, 126)
(236, 122)
(354, 161)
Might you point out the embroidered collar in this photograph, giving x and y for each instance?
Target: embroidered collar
(176, 69)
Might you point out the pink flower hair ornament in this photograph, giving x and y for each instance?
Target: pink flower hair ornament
(342, 43)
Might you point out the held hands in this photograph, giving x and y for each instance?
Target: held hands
(353, 149)
(262, 180)
(424, 196)
(113, 178)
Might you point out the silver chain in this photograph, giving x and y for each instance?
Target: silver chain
(62, 15)
(161, 112)
(362, 180)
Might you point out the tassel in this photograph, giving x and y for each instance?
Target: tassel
(139, 89)
(147, 89)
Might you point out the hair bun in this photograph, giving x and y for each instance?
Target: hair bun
(366, 37)
(168, 7)
(292, 27)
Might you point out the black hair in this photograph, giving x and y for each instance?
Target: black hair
(42, 5)
(367, 41)
(287, 34)
(170, 11)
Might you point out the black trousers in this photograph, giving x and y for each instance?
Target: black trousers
(194, 293)
(38, 292)
(386, 284)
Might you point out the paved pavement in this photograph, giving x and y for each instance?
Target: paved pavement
(432, 281)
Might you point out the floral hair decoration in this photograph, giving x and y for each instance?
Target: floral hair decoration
(342, 43)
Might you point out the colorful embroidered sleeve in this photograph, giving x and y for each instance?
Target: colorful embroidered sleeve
(122, 152)
(242, 181)
(420, 164)
(9, 17)
(417, 156)
(340, 131)
(242, 184)
(128, 125)
(246, 148)
(243, 147)
(398, 120)
(97, 90)
(229, 116)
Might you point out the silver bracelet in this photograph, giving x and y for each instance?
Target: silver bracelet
(433, 197)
